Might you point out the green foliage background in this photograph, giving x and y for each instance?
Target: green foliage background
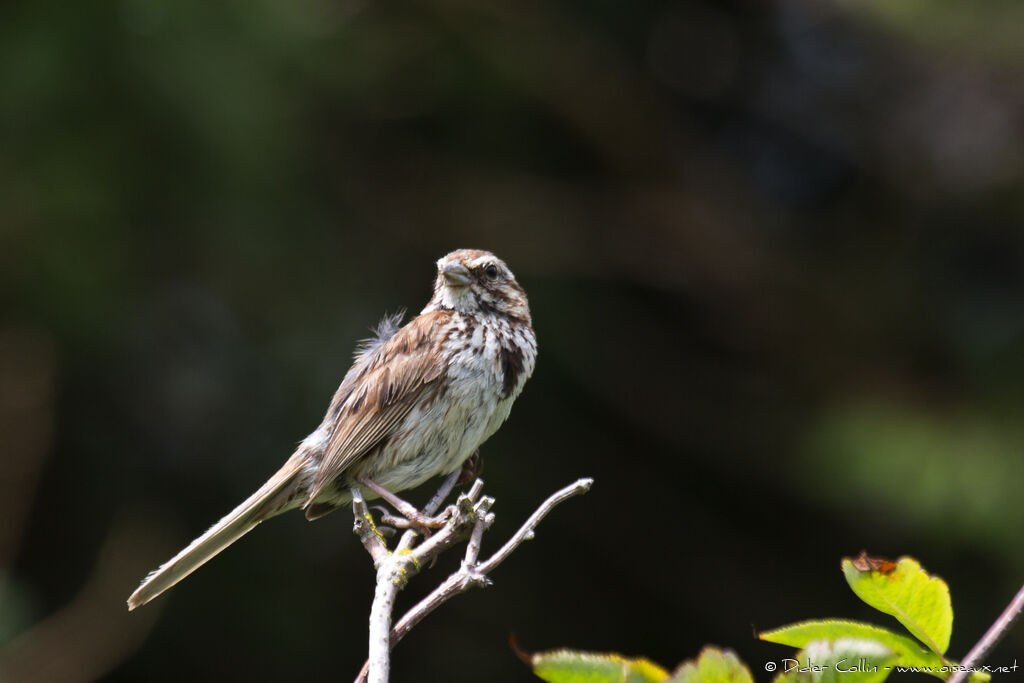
(774, 252)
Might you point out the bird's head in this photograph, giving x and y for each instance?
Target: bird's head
(475, 281)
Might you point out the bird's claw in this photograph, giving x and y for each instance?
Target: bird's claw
(416, 520)
(472, 468)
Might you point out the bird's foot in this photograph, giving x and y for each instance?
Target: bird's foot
(410, 517)
(472, 468)
(417, 522)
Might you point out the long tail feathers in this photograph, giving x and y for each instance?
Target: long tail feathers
(273, 498)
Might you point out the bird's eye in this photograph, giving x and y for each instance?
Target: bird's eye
(491, 272)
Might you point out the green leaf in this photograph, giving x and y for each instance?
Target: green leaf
(908, 651)
(845, 660)
(713, 666)
(568, 666)
(920, 602)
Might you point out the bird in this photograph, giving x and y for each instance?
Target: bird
(418, 401)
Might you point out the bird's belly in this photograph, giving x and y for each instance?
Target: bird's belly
(435, 438)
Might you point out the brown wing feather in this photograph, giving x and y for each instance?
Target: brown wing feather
(379, 392)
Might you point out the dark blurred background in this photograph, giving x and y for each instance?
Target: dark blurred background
(773, 250)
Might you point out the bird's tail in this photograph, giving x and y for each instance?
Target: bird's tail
(282, 492)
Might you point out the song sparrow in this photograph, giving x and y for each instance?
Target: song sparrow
(416, 403)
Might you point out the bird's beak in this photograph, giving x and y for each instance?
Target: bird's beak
(456, 274)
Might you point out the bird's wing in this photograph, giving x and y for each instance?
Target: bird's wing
(379, 392)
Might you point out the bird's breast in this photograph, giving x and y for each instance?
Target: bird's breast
(487, 364)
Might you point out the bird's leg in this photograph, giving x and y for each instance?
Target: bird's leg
(414, 519)
(472, 468)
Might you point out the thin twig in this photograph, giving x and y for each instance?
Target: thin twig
(525, 532)
(992, 636)
(476, 538)
(442, 493)
(364, 527)
(431, 508)
(471, 572)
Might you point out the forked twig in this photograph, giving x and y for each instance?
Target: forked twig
(470, 517)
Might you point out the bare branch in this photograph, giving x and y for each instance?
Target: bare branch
(431, 508)
(471, 517)
(525, 532)
(394, 569)
(380, 623)
(442, 494)
(476, 538)
(988, 641)
(364, 527)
